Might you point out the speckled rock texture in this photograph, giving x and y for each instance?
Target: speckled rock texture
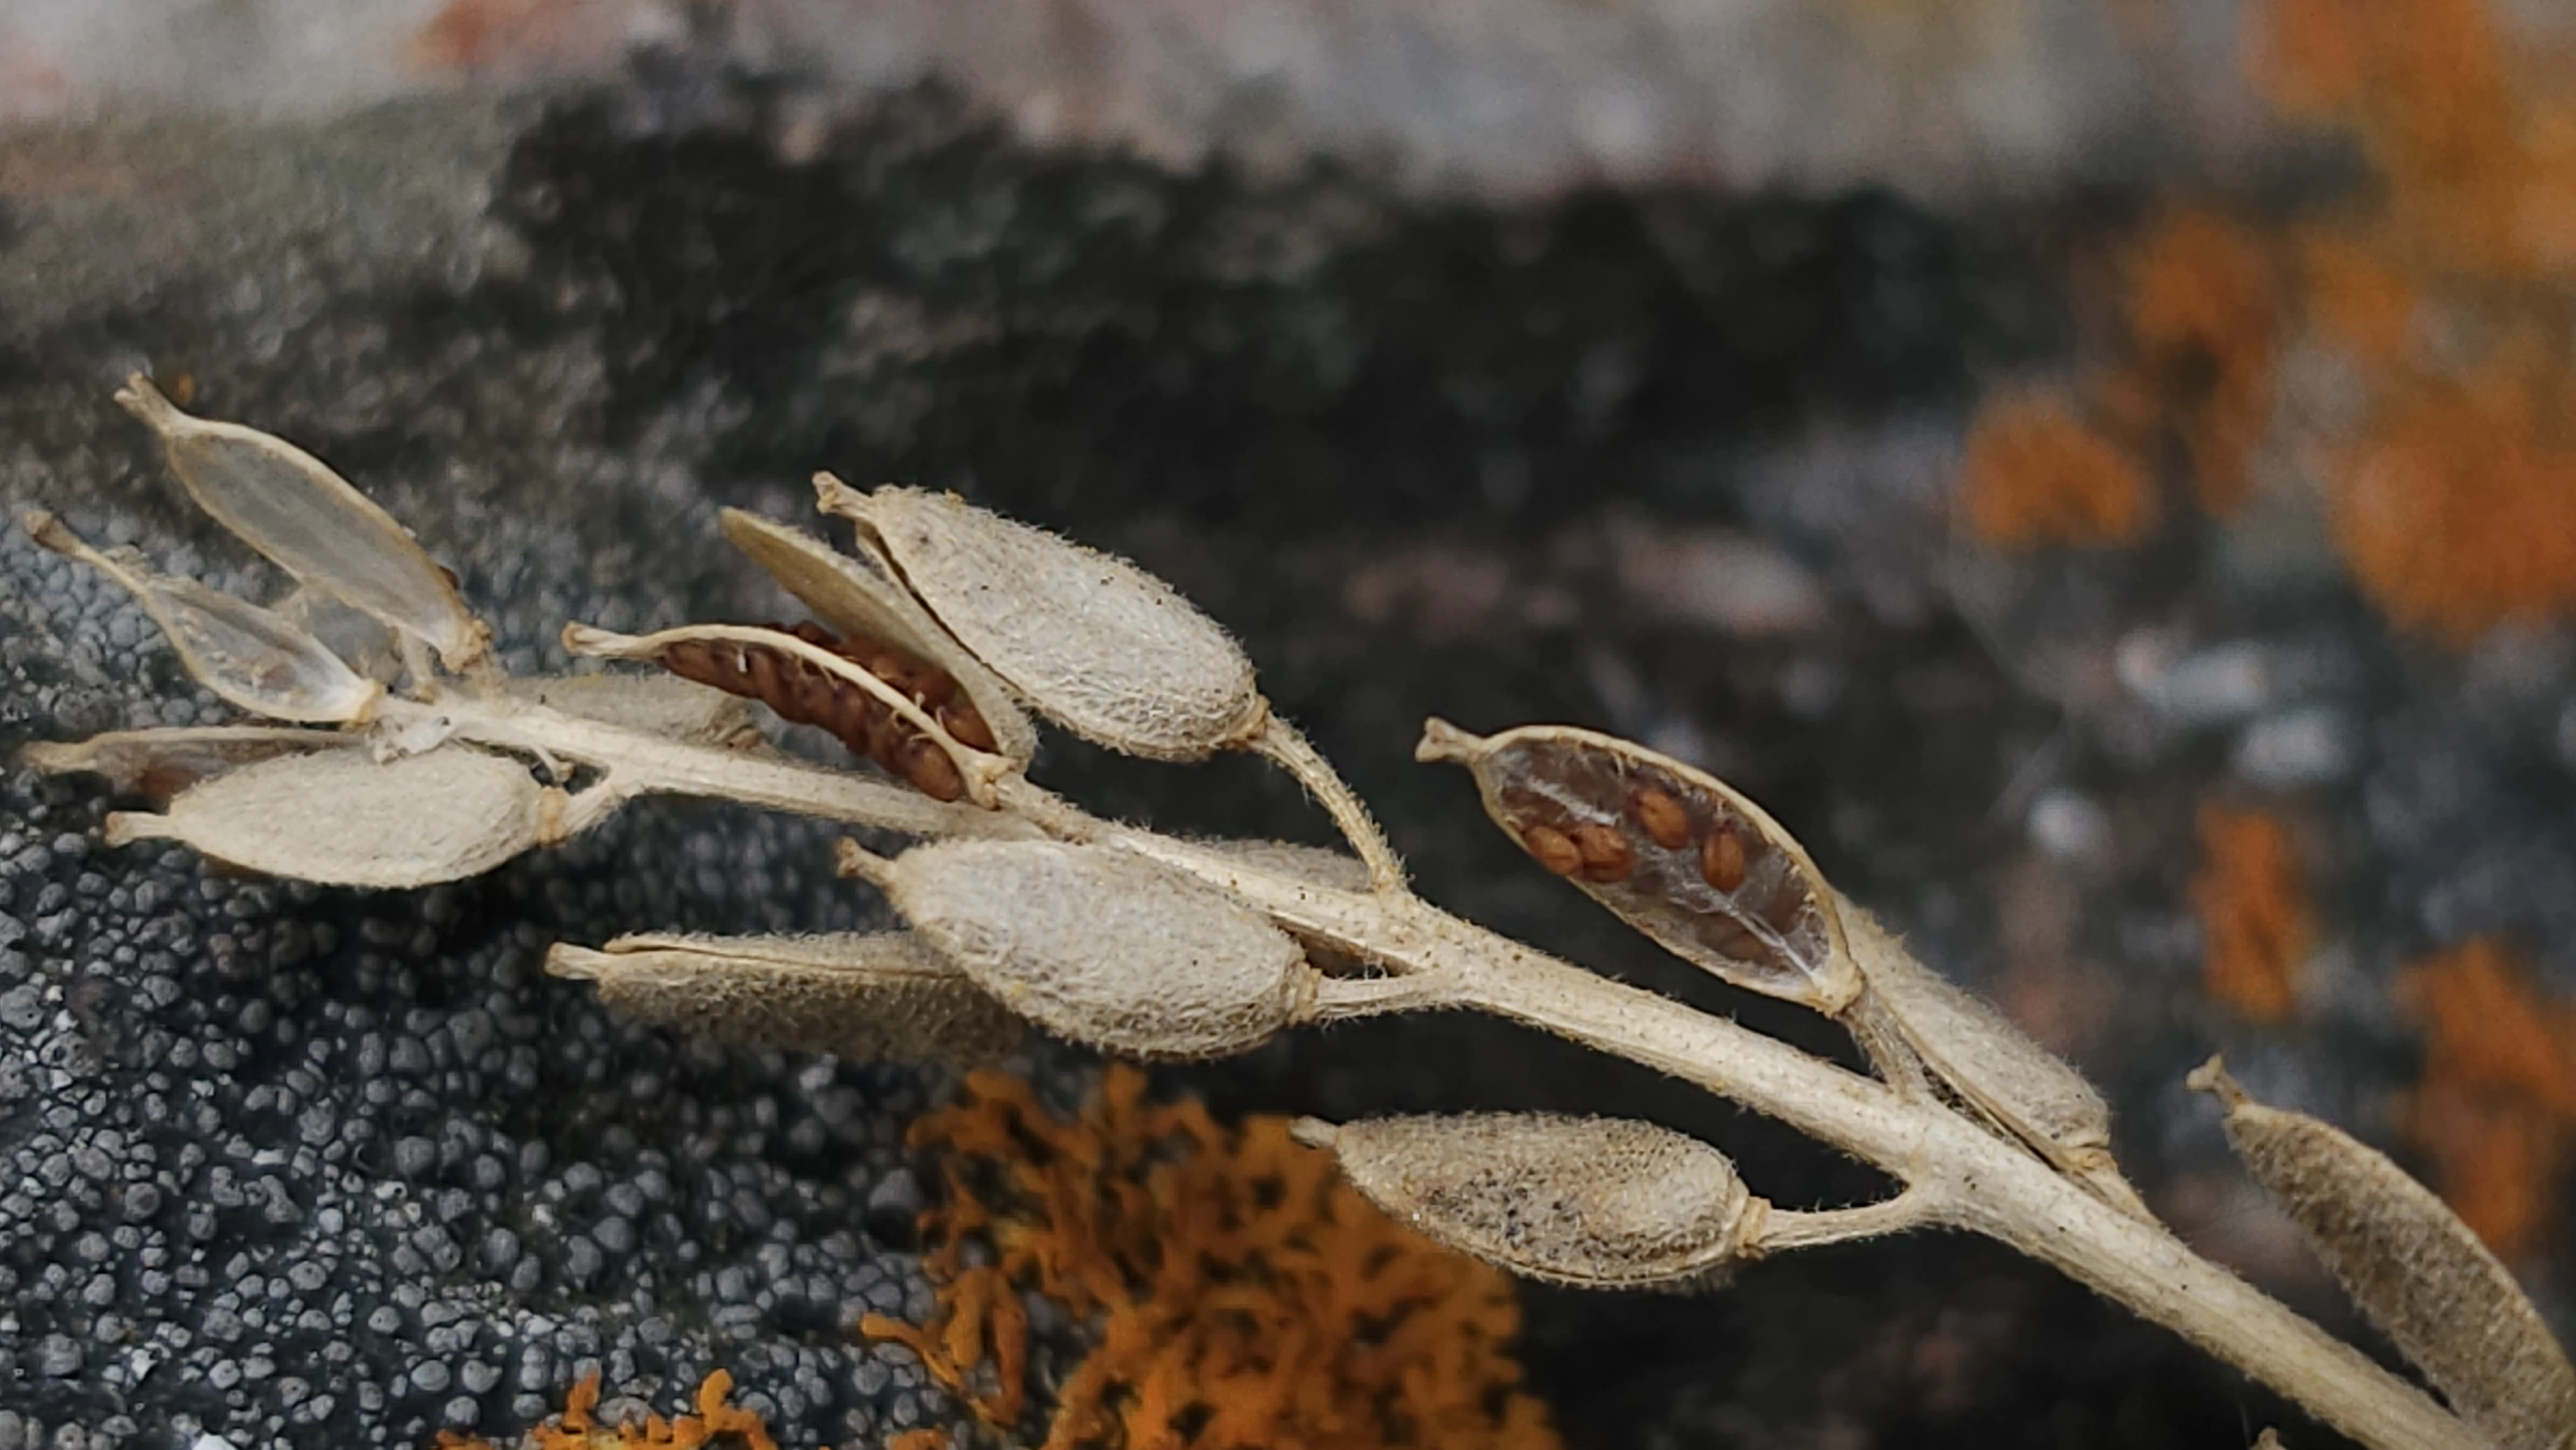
(297, 1166)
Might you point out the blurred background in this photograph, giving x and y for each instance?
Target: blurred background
(2103, 473)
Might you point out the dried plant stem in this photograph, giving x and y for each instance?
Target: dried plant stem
(1281, 743)
(638, 763)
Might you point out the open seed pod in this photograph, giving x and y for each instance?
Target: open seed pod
(290, 506)
(340, 818)
(1103, 946)
(860, 996)
(1676, 853)
(162, 763)
(2419, 1273)
(1992, 1065)
(248, 655)
(1087, 639)
(859, 599)
(1596, 1203)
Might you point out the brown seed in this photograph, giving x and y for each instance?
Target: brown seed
(1553, 849)
(1607, 856)
(1721, 859)
(1663, 818)
(929, 769)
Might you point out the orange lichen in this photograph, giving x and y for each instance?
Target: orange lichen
(2457, 509)
(2203, 316)
(2496, 1111)
(1239, 1293)
(922, 1439)
(2036, 474)
(2442, 284)
(2255, 923)
(576, 1428)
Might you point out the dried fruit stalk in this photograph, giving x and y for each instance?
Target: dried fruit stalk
(1155, 946)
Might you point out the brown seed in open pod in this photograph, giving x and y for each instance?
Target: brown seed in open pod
(1597, 1203)
(859, 598)
(1103, 946)
(2419, 1273)
(342, 819)
(861, 996)
(1677, 853)
(1087, 639)
(290, 506)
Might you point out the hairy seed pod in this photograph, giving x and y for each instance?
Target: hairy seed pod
(339, 818)
(1597, 1203)
(658, 705)
(1104, 947)
(1981, 1056)
(252, 657)
(290, 506)
(161, 763)
(861, 996)
(1087, 639)
(858, 598)
(1316, 865)
(807, 695)
(1639, 832)
(2410, 1263)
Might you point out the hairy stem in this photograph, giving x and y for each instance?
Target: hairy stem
(1281, 743)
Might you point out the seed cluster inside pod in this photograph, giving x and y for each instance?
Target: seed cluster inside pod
(866, 724)
(1674, 852)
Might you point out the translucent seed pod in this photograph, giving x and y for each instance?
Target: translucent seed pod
(1087, 639)
(1992, 1065)
(248, 655)
(660, 705)
(861, 996)
(162, 763)
(2410, 1263)
(1676, 853)
(340, 818)
(1596, 1203)
(1104, 947)
(290, 506)
(859, 598)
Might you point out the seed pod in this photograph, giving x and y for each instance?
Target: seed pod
(242, 652)
(340, 818)
(162, 763)
(1087, 639)
(290, 506)
(2419, 1273)
(1988, 1062)
(859, 598)
(802, 691)
(1674, 852)
(1315, 865)
(858, 996)
(1596, 1203)
(660, 705)
(1104, 947)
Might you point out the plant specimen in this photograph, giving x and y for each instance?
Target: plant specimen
(945, 629)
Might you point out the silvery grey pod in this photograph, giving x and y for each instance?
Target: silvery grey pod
(290, 506)
(1102, 946)
(659, 705)
(2420, 1273)
(858, 597)
(1988, 1062)
(340, 818)
(1087, 639)
(255, 658)
(1596, 1203)
(856, 995)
